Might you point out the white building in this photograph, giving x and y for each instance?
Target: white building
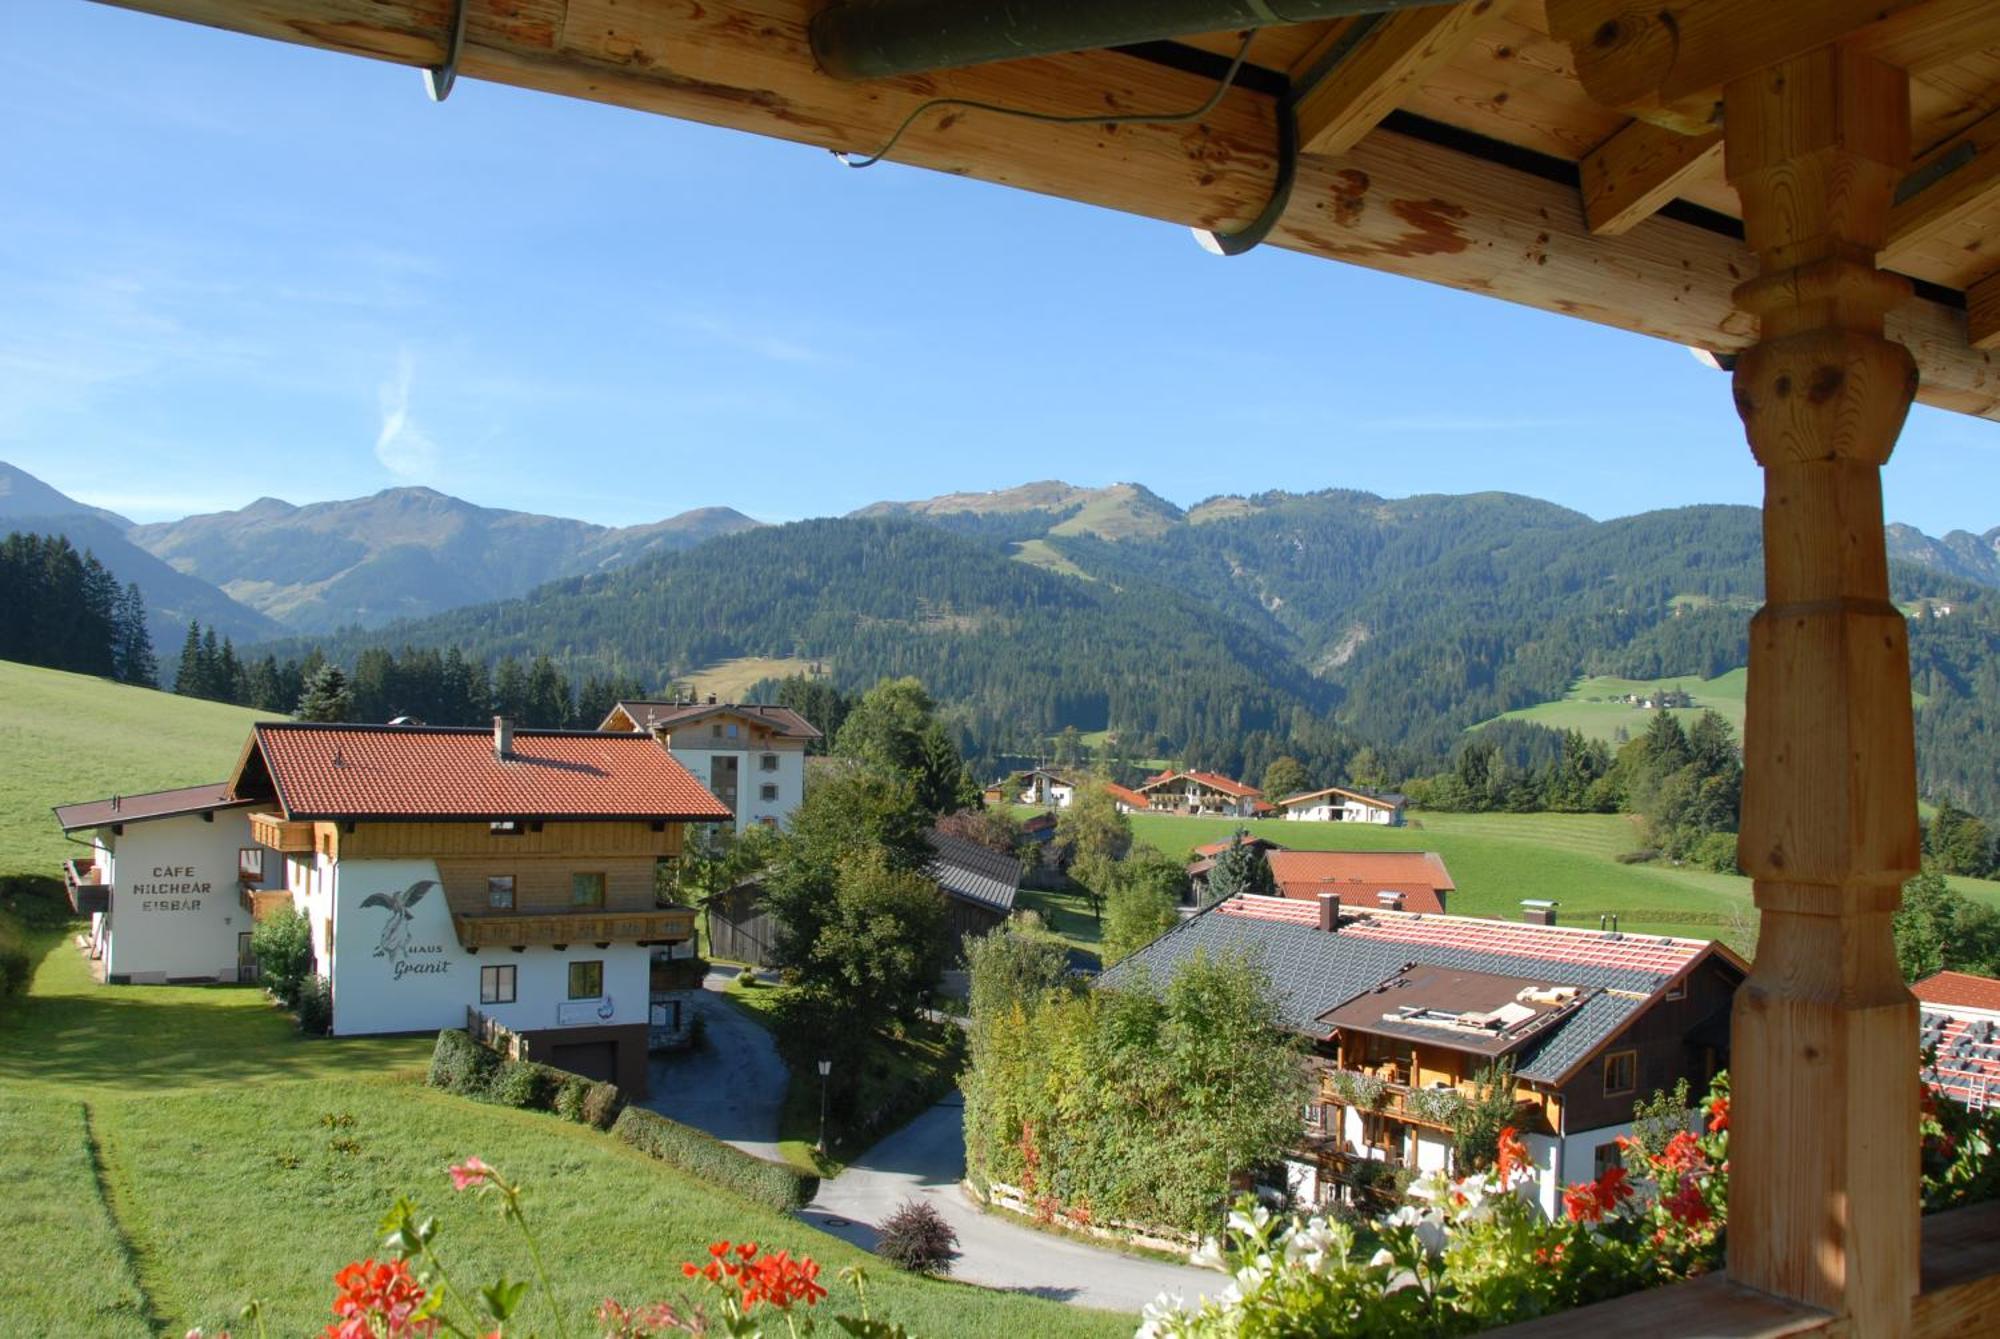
(1047, 789)
(752, 758)
(1344, 804)
(169, 884)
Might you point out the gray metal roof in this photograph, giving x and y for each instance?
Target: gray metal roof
(1313, 971)
(972, 873)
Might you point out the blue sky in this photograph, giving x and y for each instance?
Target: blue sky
(231, 268)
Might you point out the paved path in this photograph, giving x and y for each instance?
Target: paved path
(926, 1159)
(732, 1085)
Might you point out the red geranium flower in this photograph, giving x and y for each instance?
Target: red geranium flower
(1718, 1115)
(1513, 1159)
(378, 1300)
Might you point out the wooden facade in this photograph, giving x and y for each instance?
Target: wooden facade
(1559, 154)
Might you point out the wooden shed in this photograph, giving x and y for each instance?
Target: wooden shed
(1804, 190)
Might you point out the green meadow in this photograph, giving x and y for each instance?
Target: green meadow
(1591, 706)
(69, 737)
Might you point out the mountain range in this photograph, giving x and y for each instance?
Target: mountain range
(1224, 632)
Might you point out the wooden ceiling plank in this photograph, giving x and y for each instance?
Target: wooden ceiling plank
(1665, 60)
(1393, 203)
(1964, 178)
(1982, 313)
(1628, 177)
(1368, 83)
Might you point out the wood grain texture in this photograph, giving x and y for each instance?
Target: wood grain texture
(1335, 113)
(1982, 314)
(1824, 1120)
(1964, 190)
(1628, 177)
(1392, 204)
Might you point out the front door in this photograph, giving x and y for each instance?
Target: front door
(722, 779)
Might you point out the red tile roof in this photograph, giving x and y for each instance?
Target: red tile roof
(1212, 780)
(1960, 990)
(1968, 1063)
(1131, 797)
(362, 771)
(150, 804)
(1555, 943)
(1307, 874)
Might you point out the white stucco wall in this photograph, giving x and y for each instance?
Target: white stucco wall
(696, 755)
(397, 973)
(175, 909)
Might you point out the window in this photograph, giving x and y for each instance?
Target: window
(586, 980)
(767, 792)
(769, 762)
(1621, 1072)
(500, 892)
(1678, 990)
(715, 731)
(1604, 1157)
(504, 827)
(496, 984)
(586, 890)
(732, 730)
(250, 864)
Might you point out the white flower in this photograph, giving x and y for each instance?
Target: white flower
(1431, 1236)
(1208, 1255)
(1381, 1259)
(1253, 1222)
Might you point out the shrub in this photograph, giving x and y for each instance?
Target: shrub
(282, 943)
(569, 1098)
(602, 1103)
(917, 1238)
(527, 1085)
(315, 1006)
(1644, 855)
(37, 901)
(461, 1065)
(767, 1183)
(1716, 851)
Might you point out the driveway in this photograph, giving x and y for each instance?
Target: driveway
(732, 1085)
(926, 1159)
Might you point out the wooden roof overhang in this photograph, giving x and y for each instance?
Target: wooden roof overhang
(1452, 144)
(1805, 187)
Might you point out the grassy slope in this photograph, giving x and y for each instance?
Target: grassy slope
(226, 1180)
(1498, 859)
(68, 737)
(729, 680)
(1588, 708)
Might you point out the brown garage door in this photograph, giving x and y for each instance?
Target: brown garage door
(592, 1059)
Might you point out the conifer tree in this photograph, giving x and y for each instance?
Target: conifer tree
(326, 696)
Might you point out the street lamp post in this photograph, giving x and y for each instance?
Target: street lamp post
(825, 1068)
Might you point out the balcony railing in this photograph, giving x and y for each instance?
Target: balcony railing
(281, 834)
(89, 892)
(262, 902)
(585, 925)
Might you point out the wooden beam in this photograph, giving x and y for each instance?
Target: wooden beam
(1959, 178)
(1982, 314)
(1665, 60)
(1823, 1187)
(1628, 177)
(1369, 81)
(1393, 204)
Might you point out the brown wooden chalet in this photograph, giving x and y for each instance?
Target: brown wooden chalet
(1804, 189)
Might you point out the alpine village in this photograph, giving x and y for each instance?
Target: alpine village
(1043, 909)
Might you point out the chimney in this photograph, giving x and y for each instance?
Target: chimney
(503, 738)
(1390, 900)
(1538, 911)
(1329, 912)
(711, 699)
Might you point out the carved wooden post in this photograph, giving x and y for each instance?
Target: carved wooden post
(1823, 1193)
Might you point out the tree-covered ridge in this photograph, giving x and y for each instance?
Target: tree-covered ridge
(1016, 652)
(65, 610)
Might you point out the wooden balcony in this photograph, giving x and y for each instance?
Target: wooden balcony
(585, 925)
(281, 834)
(89, 893)
(261, 902)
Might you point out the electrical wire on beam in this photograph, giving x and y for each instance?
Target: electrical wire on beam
(1228, 244)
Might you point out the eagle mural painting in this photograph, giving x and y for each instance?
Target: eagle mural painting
(396, 934)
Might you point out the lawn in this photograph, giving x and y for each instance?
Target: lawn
(70, 737)
(238, 1160)
(911, 1071)
(730, 680)
(1065, 915)
(1590, 707)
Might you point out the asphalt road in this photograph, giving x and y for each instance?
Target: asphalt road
(732, 1085)
(926, 1160)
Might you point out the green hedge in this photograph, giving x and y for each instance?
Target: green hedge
(461, 1065)
(770, 1184)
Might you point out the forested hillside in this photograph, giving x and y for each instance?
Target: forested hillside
(1244, 629)
(1017, 653)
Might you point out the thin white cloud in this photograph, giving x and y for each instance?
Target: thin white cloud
(750, 339)
(403, 448)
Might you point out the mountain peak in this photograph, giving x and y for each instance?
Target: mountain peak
(22, 494)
